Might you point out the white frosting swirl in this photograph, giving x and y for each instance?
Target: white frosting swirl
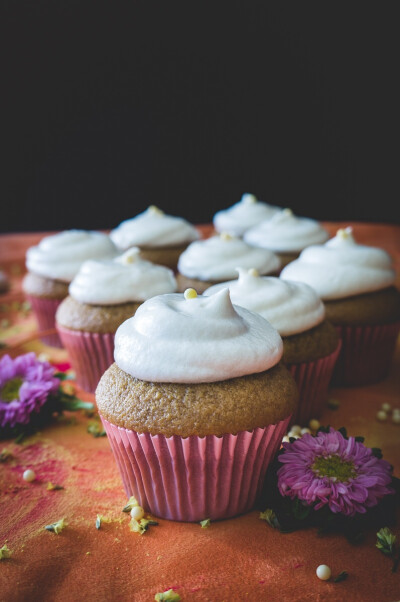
(126, 278)
(61, 255)
(342, 268)
(285, 232)
(195, 340)
(153, 228)
(243, 215)
(217, 258)
(291, 307)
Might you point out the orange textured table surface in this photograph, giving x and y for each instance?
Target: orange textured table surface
(237, 559)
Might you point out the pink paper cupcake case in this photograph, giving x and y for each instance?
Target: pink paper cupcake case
(45, 311)
(193, 478)
(366, 355)
(90, 354)
(313, 380)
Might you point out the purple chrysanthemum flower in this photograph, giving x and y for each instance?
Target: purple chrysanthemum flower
(331, 470)
(25, 384)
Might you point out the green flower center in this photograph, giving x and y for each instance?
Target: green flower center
(334, 467)
(10, 390)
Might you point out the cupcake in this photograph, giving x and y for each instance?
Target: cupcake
(52, 264)
(216, 259)
(310, 343)
(195, 405)
(102, 295)
(160, 237)
(242, 216)
(286, 234)
(356, 283)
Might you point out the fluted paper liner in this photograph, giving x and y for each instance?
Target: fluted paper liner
(366, 355)
(193, 478)
(45, 313)
(90, 354)
(313, 380)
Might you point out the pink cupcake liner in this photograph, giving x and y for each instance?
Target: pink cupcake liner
(90, 354)
(366, 355)
(313, 379)
(45, 312)
(193, 478)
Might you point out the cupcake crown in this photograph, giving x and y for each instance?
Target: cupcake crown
(124, 279)
(342, 268)
(153, 228)
(60, 256)
(192, 339)
(243, 215)
(286, 232)
(291, 307)
(217, 258)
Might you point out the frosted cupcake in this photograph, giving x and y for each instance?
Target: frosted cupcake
(101, 296)
(286, 234)
(160, 237)
(356, 283)
(310, 343)
(242, 216)
(195, 405)
(216, 259)
(52, 264)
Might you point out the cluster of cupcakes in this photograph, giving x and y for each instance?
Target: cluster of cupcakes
(197, 390)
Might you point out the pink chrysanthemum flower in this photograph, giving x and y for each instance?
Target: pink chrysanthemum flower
(25, 384)
(331, 470)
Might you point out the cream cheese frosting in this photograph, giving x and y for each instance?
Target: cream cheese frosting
(121, 280)
(243, 215)
(172, 338)
(342, 268)
(153, 228)
(61, 255)
(286, 232)
(217, 258)
(291, 307)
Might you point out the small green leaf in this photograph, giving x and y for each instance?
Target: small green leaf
(270, 516)
(385, 541)
(168, 595)
(5, 552)
(205, 523)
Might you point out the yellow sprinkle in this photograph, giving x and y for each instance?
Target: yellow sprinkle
(287, 212)
(254, 272)
(344, 233)
(249, 199)
(155, 210)
(190, 293)
(225, 236)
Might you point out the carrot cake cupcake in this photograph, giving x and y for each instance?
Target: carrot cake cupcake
(52, 264)
(195, 405)
(102, 295)
(216, 259)
(160, 237)
(357, 284)
(310, 343)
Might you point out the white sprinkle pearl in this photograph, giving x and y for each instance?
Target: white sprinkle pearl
(285, 439)
(396, 410)
(386, 407)
(29, 475)
(314, 424)
(190, 293)
(381, 415)
(137, 512)
(293, 435)
(296, 429)
(305, 431)
(396, 418)
(323, 572)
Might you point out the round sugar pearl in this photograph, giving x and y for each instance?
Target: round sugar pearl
(381, 415)
(29, 475)
(305, 431)
(396, 418)
(323, 572)
(296, 429)
(285, 439)
(190, 293)
(386, 407)
(137, 512)
(314, 424)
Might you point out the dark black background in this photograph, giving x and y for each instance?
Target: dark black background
(109, 107)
